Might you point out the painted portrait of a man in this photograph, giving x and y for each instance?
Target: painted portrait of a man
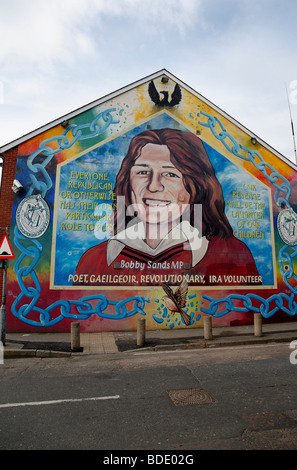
(172, 219)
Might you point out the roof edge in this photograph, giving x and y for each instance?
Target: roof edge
(126, 88)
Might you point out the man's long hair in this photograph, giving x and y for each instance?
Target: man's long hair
(189, 156)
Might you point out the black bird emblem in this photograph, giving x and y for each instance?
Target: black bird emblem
(177, 301)
(155, 97)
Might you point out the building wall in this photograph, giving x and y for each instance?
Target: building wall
(66, 267)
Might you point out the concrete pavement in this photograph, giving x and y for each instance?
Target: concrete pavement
(59, 344)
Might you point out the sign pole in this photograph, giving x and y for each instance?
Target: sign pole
(3, 306)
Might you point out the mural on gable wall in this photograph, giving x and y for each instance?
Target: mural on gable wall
(154, 207)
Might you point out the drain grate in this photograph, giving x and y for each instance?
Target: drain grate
(191, 396)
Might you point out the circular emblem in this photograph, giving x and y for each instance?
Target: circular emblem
(33, 216)
(287, 226)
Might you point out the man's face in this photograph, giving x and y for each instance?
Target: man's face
(157, 185)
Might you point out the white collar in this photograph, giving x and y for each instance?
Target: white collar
(134, 236)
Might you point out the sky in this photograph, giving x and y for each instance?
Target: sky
(59, 55)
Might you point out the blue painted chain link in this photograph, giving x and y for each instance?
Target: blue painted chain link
(251, 303)
(83, 307)
(63, 142)
(286, 254)
(281, 184)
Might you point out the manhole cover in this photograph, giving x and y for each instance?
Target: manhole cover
(192, 396)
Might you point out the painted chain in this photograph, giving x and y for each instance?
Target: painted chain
(281, 184)
(63, 142)
(251, 303)
(84, 308)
